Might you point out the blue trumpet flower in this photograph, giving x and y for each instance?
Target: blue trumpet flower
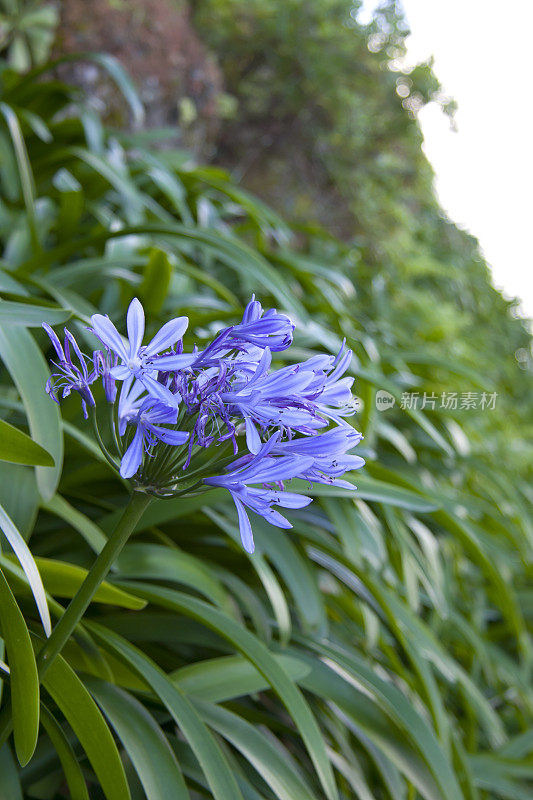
(270, 472)
(70, 377)
(329, 451)
(141, 362)
(148, 421)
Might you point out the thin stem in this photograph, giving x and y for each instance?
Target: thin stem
(109, 458)
(114, 425)
(81, 600)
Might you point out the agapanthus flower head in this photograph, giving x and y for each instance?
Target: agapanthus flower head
(221, 416)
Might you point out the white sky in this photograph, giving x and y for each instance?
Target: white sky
(484, 171)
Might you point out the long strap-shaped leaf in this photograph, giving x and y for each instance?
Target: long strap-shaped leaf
(215, 767)
(399, 709)
(230, 250)
(144, 741)
(87, 722)
(23, 674)
(71, 768)
(272, 761)
(9, 779)
(263, 659)
(27, 562)
(17, 447)
(29, 372)
(364, 717)
(27, 183)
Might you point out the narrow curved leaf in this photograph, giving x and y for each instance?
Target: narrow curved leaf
(10, 788)
(71, 768)
(227, 677)
(29, 315)
(260, 656)
(27, 562)
(144, 741)
(215, 767)
(85, 719)
(23, 674)
(271, 760)
(63, 580)
(17, 448)
(29, 372)
(88, 529)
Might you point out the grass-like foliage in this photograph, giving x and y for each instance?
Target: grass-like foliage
(380, 648)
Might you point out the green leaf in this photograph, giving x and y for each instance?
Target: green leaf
(10, 285)
(228, 249)
(271, 760)
(25, 174)
(10, 788)
(71, 768)
(156, 281)
(154, 561)
(205, 747)
(23, 674)
(29, 372)
(399, 709)
(29, 315)
(227, 677)
(364, 717)
(63, 580)
(89, 530)
(144, 741)
(85, 719)
(263, 660)
(115, 69)
(371, 489)
(266, 575)
(17, 448)
(27, 562)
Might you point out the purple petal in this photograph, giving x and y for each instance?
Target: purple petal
(252, 311)
(292, 500)
(132, 458)
(55, 341)
(120, 373)
(108, 334)
(169, 334)
(343, 484)
(253, 441)
(245, 528)
(135, 326)
(269, 470)
(276, 519)
(342, 364)
(171, 363)
(129, 398)
(77, 350)
(159, 391)
(169, 436)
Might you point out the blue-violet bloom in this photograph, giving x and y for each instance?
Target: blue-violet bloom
(263, 426)
(136, 360)
(148, 421)
(70, 377)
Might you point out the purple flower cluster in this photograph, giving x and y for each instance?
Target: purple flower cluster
(217, 417)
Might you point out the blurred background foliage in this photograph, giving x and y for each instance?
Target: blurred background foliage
(381, 649)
